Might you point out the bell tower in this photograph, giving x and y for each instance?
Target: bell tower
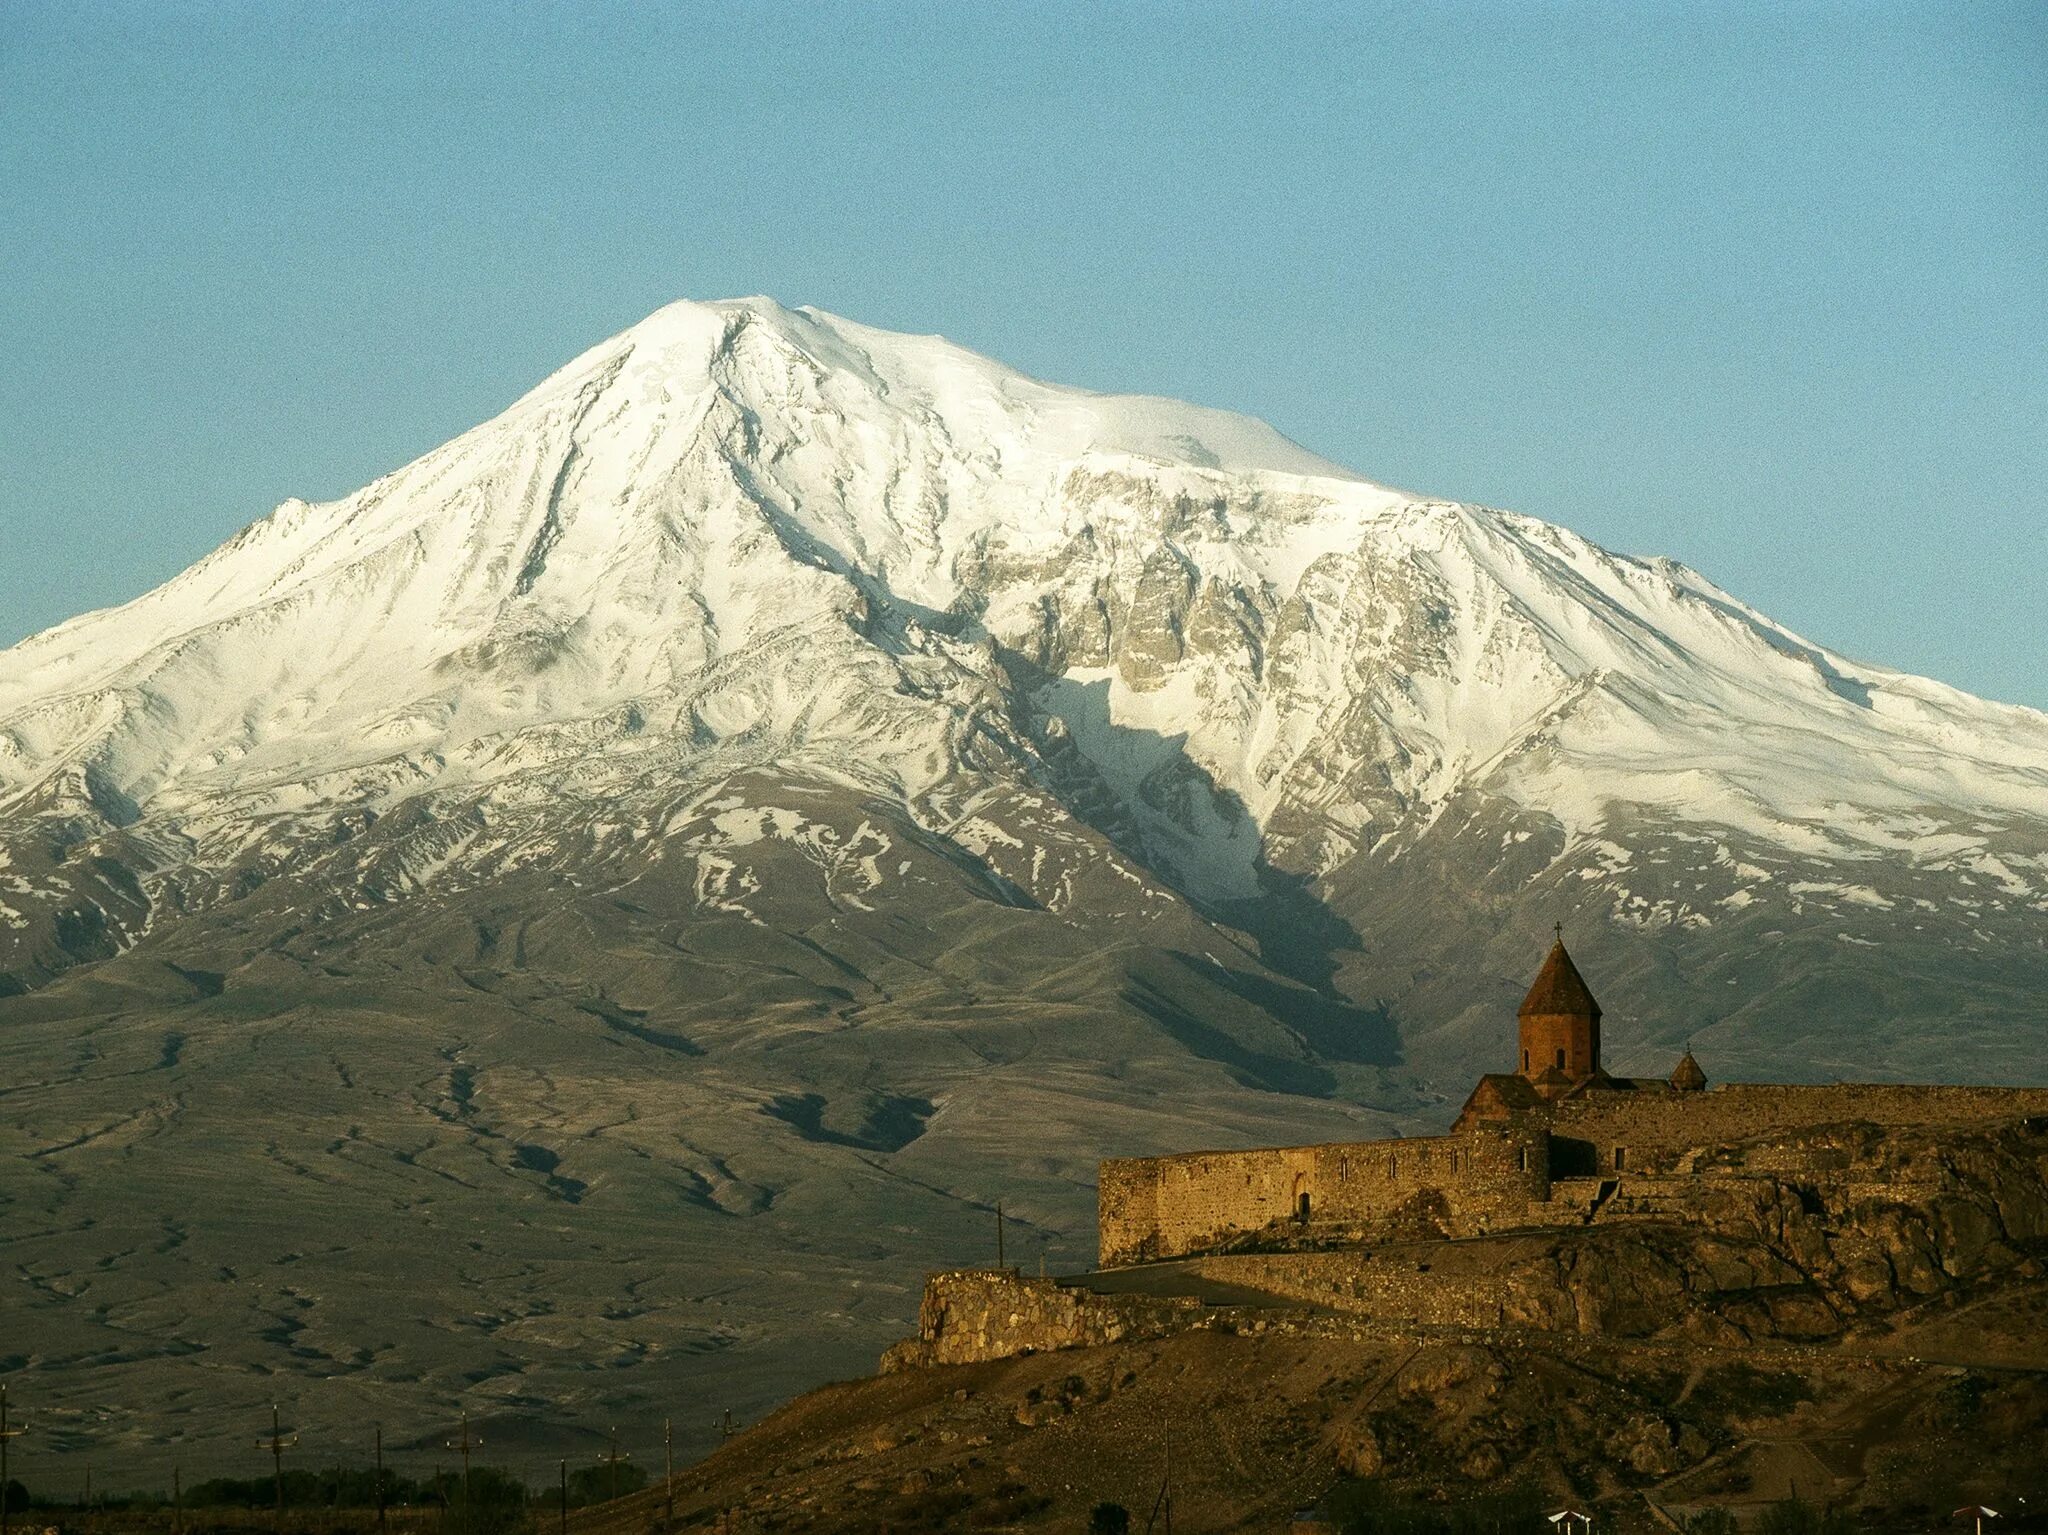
(1560, 1022)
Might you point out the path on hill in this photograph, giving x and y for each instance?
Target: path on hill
(1181, 1281)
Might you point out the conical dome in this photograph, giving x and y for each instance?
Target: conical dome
(1560, 991)
(1559, 1021)
(1687, 1076)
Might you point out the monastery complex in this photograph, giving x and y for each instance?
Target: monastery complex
(1553, 1143)
(1563, 1199)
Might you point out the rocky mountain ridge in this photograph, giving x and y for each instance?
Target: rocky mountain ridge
(782, 787)
(743, 540)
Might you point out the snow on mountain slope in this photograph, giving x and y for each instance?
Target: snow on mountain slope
(739, 536)
(690, 846)
(716, 476)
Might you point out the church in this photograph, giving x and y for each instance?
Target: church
(1565, 1199)
(1558, 1036)
(1556, 1142)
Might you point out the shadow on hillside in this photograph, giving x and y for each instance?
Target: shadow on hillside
(886, 1122)
(1187, 821)
(1190, 1026)
(1170, 816)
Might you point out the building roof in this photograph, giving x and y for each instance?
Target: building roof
(1687, 1077)
(1503, 1093)
(1559, 989)
(1500, 1093)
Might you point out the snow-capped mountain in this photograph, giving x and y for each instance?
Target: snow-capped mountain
(783, 786)
(739, 538)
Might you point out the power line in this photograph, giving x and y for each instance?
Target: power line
(277, 1444)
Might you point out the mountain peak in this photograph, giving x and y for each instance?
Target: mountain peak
(687, 320)
(647, 531)
(760, 351)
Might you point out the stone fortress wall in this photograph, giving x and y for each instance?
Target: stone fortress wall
(1164, 1207)
(1564, 1200)
(1555, 1166)
(1876, 1219)
(1681, 1133)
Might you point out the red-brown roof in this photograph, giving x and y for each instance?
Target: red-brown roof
(1688, 1078)
(1559, 988)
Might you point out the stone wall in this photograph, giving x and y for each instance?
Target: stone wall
(1616, 1282)
(1162, 1207)
(1726, 1255)
(1674, 1132)
(1743, 1213)
(1498, 1175)
(1899, 1214)
(1408, 1284)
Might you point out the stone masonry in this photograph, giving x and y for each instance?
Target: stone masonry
(1563, 1199)
(1539, 1147)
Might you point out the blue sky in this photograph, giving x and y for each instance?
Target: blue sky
(1761, 287)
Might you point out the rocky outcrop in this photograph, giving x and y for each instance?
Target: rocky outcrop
(975, 1314)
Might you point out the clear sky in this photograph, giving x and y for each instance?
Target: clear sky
(1762, 287)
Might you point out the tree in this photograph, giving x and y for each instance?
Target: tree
(486, 1502)
(601, 1482)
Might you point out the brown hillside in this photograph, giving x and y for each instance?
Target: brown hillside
(1948, 1408)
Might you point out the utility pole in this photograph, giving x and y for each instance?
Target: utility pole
(613, 1459)
(999, 1234)
(1164, 1502)
(465, 1445)
(277, 1444)
(380, 1476)
(8, 1433)
(1166, 1487)
(565, 1498)
(668, 1478)
(177, 1499)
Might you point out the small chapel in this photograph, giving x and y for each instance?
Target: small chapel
(1558, 1045)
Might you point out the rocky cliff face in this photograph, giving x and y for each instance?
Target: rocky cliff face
(1279, 1414)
